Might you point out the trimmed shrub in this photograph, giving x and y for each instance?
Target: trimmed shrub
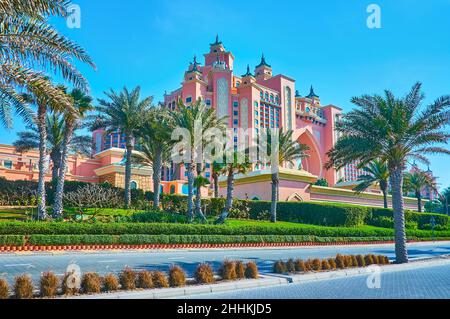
(23, 287)
(308, 265)
(144, 279)
(332, 263)
(177, 276)
(4, 289)
(354, 261)
(376, 259)
(91, 283)
(49, 283)
(110, 282)
(300, 265)
(251, 270)
(340, 261)
(348, 261)
(228, 270)
(70, 284)
(290, 266)
(127, 279)
(325, 265)
(160, 279)
(386, 260)
(361, 262)
(279, 267)
(316, 264)
(240, 269)
(204, 274)
(368, 260)
(158, 217)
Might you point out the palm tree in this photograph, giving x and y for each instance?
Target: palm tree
(394, 130)
(199, 182)
(216, 169)
(155, 143)
(231, 169)
(81, 104)
(377, 172)
(416, 182)
(29, 42)
(123, 112)
(287, 151)
(196, 120)
(29, 47)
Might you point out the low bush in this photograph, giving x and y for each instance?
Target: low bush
(300, 265)
(145, 280)
(386, 260)
(228, 270)
(368, 259)
(177, 276)
(354, 261)
(308, 264)
(279, 267)
(49, 284)
(251, 270)
(127, 278)
(240, 269)
(23, 287)
(4, 289)
(204, 274)
(158, 217)
(290, 265)
(110, 282)
(91, 283)
(160, 279)
(361, 262)
(70, 284)
(348, 261)
(332, 263)
(340, 261)
(325, 265)
(316, 264)
(12, 240)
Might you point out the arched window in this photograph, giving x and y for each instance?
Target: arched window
(266, 95)
(133, 185)
(271, 98)
(262, 95)
(172, 189)
(255, 198)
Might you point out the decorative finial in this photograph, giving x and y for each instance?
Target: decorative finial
(312, 94)
(248, 71)
(263, 61)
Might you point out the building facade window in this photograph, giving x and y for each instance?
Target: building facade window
(133, 185)
(189, 99)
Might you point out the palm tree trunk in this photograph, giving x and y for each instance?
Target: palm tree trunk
(157, 166)
(385, 201)
(401, 253)
(229, 200)
(55, 155)
(190, 176)
(198, 197)
(58, 201)
(216, 185)
(419, 201)
(129, 146)
(42, 211)
(273, 207)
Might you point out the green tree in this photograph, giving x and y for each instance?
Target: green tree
(193, 123)
(155, 146)
(377, 172)
(82, 103)
(283, 150)
(417, 182)
(123, 112)
(322, 182)
(394, 130)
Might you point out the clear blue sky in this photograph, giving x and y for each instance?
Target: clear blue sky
(324, 43)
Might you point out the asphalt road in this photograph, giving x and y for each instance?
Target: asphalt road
(431, 282)
(114, 261)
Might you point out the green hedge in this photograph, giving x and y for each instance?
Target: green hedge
(59, 228)
(12, 240)
(383, 217)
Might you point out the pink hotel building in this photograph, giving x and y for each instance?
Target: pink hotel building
(256, 100)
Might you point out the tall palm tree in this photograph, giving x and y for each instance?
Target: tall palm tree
(196, 120)
(394, 130)
(29, 47)
(377, 172)
(123, 112)
(287, 151)
(155, 142)
(231, 169)
(216, 169)
(417, 182)
(55, 134)
(73, 118)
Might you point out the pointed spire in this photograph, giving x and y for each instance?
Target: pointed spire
(248, 72)
(312, 94)
(263, 62)
(217, 41)
(194, 65)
